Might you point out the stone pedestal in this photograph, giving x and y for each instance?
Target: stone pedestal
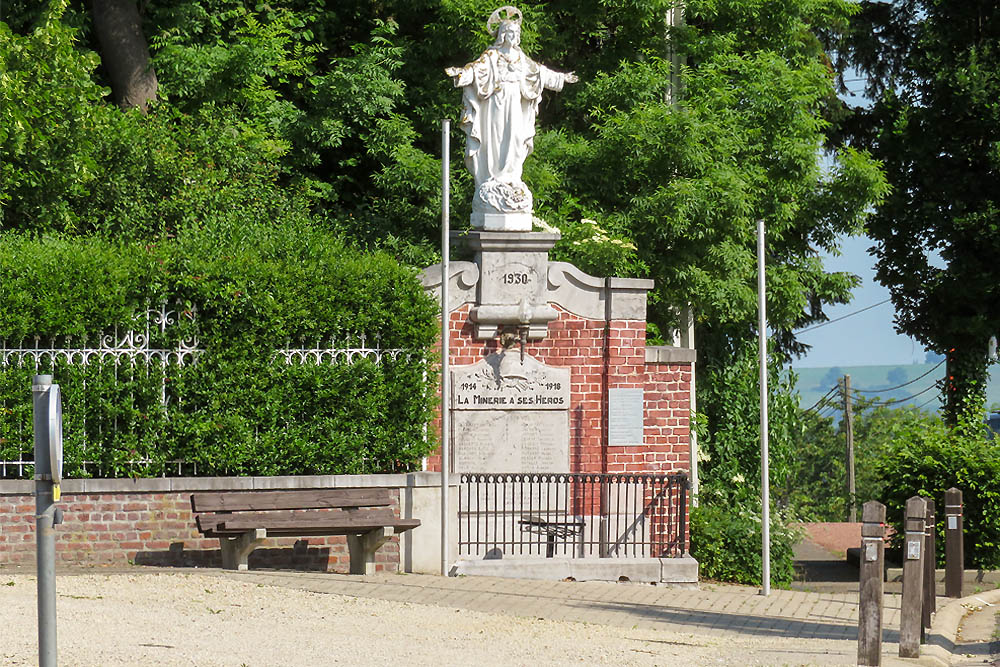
(513, 282)
(551, 374)
(501, 222)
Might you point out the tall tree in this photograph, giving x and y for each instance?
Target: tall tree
(933, 71)
(125, 53)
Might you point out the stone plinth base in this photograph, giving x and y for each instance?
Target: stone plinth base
(680, 571)
(501, 222)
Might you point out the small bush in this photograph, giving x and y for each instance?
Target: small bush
(928, 459)
(727, 544)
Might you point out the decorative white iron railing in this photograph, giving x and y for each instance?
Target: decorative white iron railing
(155, 344)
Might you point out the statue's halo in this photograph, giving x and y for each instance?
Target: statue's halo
(512, 14)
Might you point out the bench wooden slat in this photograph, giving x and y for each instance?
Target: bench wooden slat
(231, 501)
(319, 528)
(306, 517)
(309, 520)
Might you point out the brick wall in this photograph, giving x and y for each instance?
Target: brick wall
(155, 528)
(601, 358)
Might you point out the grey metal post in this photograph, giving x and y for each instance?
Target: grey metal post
(765, 487)
(871, 584)
(46, 490)
(930, 558)
(445, 334)
(910, 626)
(954, 548)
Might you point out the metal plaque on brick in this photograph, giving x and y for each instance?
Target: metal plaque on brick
(510, 415)
(625, 416)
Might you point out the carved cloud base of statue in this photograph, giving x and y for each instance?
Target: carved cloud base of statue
(502, 207)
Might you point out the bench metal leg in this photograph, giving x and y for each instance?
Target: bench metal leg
(236, 550)
(362, 549)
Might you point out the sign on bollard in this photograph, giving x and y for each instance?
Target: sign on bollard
(47, 414)
(910, 621)
(871, 584)
(954, 545)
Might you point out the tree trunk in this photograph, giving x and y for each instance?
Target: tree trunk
(124, 52)
(965, 381)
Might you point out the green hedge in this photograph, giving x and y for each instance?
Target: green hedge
(927, 460)
(240, 409)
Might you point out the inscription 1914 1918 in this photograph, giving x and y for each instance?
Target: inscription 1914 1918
(502, 382)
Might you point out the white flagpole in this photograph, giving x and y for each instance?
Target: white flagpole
(445, 407)
(765, 490)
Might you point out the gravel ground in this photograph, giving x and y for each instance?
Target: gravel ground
(194, 619)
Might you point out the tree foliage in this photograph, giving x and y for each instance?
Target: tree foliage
(342, 105)
(933, 71)
(300, 111)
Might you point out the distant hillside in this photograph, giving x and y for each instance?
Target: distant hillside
(877, 381)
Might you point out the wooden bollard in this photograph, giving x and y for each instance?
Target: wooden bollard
(930, 561)
(954, 543)
(871, 584)
(910, 621)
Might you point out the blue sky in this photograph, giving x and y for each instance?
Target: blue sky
(865, 339)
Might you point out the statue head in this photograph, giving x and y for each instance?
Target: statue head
(509, 34)
(505, 25)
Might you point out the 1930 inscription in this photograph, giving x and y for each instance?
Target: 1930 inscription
(514, 279)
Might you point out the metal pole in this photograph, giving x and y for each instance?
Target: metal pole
(445, 403)
(44, 530)
(765, 487)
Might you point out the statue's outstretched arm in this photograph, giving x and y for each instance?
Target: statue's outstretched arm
(461, 75)
(554, 80)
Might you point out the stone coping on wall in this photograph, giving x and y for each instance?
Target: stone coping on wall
(17, 487)
(667, 354)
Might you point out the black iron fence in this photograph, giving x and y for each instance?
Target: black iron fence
(572, 514)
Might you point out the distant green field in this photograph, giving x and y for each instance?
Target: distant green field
(877, 381)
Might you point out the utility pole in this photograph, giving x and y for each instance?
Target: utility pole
(849, 433)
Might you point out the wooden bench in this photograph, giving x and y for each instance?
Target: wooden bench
(242, 520)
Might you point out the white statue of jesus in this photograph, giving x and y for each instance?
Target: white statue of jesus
(502, 89)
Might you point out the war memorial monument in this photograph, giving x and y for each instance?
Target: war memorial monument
(551, 380)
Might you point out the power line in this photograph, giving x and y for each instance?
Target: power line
(843, 317)
(900, 386)
(823, 398)
(893, 401)
(927, 401)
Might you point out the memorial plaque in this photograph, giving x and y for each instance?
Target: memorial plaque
(502, 382)
(514, 441)
(509, 416)
(625, 416)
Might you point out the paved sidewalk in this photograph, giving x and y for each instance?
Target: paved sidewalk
(788, 627)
